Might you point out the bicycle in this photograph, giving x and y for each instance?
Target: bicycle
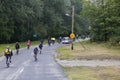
(40, 47)
(40, 50)
(8, 61)
(17, 46)
(17, 51)
(8, 64)
(35, 56)
(28, 46)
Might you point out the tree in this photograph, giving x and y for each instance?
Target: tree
(104, 19)
(21, 19)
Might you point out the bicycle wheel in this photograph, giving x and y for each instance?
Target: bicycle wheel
(17, 51)
(8, 64)
(40, 51)
(35, 56)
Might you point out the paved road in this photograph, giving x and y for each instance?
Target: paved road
(23, 66)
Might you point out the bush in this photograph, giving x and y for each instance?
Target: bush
(114, 40)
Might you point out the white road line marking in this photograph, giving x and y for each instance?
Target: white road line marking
(18, 73)
(15, 75)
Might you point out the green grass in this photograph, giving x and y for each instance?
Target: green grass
(93, 73)
(88, 50)
(12, 46)
(66, 52)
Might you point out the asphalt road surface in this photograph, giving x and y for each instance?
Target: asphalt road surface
(23, 66)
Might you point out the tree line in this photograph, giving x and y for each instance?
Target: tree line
(103, 18)
(21, 20)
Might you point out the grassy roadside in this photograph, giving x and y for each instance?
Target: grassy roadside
(89, 51)
(93, 73)
(12, 46)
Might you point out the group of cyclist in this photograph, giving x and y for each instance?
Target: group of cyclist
(51, 40)
(8, 52)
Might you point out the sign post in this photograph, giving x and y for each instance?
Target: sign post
(72, 35)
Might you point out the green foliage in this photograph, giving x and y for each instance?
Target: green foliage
(21, 19)
(104, 19)
(17, 19)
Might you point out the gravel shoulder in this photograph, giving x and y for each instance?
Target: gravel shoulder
(89, 63)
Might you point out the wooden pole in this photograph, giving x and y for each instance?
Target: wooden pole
(73, 12)
(72, 26)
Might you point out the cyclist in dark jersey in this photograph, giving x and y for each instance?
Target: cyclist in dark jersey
(17, 46)
(35, 53)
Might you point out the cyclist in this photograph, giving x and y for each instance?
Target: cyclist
(8, 54)
(42, 40)
(40, 47)
(17, 46)
(49, 41)
(53, 40)
(35, 53)
(59, 39)
(28, 44)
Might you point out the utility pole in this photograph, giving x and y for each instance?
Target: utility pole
(73, 13)
(72, 35)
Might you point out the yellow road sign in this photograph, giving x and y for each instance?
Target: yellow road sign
(72, 35)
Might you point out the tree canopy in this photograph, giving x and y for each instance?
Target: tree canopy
(103, 17)
(21, 20)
